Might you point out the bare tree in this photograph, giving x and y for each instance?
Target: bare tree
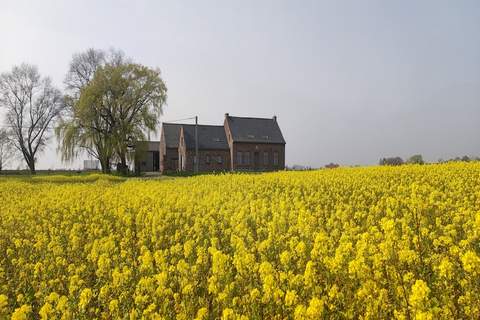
(32, 103)
(82, 69)
(6, 149)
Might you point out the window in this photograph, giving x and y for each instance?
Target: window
(246, 158)
(239, 157)
(275, 158)
(219, 159)
(265, 158)
(207, 159)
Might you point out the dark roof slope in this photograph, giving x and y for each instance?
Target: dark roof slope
(209, 137)
(148, 145)
(171, 132)
(259, 130)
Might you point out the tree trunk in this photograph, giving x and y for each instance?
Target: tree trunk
(105, 164)
(123, 165)
(31, 166)
(102, 165)
(108, 169)
(30, 162)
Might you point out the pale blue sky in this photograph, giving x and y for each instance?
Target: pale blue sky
(350, 81)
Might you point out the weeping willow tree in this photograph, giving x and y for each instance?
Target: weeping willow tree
(113, 110)
(130, 98)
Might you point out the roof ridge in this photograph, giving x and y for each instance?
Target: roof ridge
(206, 125)
(251, 118)
(175, 124)
(210, 125)
(192, 125)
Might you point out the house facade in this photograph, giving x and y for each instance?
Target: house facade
(169, 139)
(240, 144)
(213, 150)
(256, 144)
(147, 156)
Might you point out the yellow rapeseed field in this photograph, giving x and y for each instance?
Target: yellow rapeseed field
(355, 243)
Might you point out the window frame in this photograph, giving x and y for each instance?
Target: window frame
(275, 158)
(246, 158)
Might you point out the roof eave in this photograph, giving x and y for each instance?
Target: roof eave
(260, 142)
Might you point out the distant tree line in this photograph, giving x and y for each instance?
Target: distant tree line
(332, 165)
(462, 159)
(109, 103)
(418, 159)
(298, 167)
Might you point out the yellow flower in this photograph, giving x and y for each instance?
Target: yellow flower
(202, 314)
(301, 245)
(471, 262)
(46, 311)
(22, 313)
(85, 297)
(445, 268)
(300, 312)
(315, 308)
(419, 294)
(290, 298)
(228, 314)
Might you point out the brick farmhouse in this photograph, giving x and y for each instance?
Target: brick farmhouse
(240, 144)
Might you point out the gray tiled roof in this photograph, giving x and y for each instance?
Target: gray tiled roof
(172, 134)
(153, 145)
(148, 145)
(260, 130)
(209, 137)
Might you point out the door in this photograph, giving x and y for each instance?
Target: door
(156, 162)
